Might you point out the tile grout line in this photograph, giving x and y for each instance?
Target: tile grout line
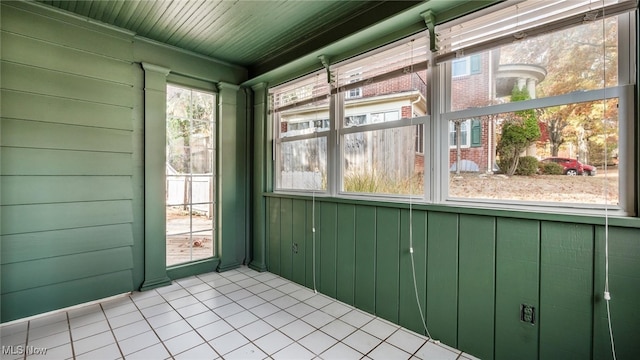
(111, 330)
(73, 351)
(26, 340)
(152, 329)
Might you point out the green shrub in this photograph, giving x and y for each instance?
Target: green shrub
(527, 165)
(551, 168)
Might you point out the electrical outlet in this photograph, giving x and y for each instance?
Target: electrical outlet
(528, 313)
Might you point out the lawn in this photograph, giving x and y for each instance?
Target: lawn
(599, 189)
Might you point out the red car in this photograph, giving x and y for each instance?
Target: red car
(572, 167)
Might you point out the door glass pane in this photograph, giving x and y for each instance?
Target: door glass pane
(190, 175)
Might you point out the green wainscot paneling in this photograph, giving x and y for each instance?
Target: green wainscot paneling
(327, 255)
(413, 231)
(345, 253)
(476, 298)
(624, 277)
(274, 251)
(387, 263)
(365, 258)
(473, 272)
(566, 286)
(312, 218)
(517, 283)
(442, 277)
(300, 235)
(286, 238)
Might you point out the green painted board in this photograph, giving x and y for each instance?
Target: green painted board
(59, 110)
(46, 82)
(312, 247)
(328, 233)
(442, 277)
(624, 277)
(566, 286)
(24, 161)
(286, 241)
(365, 289)
(38, 300)
(41, 245)
(43, 217)
(345, 266)
(409, 317)
(476, 287)
(387, 263)
(299, 236)
(25, 190)
(517, 274)
(35, 134)
(28, 51)
(43, 272)
(273, 243)
(65, 34)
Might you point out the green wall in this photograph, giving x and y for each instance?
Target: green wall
(473, 272)
(72, 159)
(67, 166)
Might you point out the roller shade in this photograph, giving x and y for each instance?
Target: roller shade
(392, 61)
(514, 20)
(401, 58)
(312, 89)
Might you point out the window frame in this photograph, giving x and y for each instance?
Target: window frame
(471, 66)
(467, 134)
(206, 88)
(316, 134)
(436, 149)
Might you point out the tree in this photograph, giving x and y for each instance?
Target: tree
(555, 122)
(189, 115)
(579, 58)
(519, 131)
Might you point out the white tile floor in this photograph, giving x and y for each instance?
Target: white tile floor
(238, 314)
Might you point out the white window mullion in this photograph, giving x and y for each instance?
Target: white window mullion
(335, 139)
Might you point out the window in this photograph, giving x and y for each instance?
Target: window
(501, 114)
(466, 66)
(190, 175)
(385, 116)
(355, 92)
(557, 95)
(301, 113)
(459, 130)
(378, 138)
(470, 131)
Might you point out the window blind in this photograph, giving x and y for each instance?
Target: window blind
(310, 90)
(408, 56)
(514, 20)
